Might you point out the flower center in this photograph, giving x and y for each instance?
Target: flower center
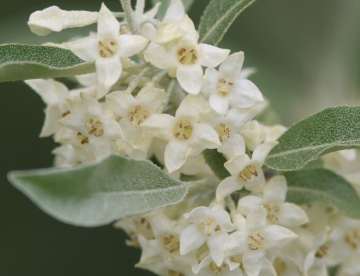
(353, 239)
(144, 228)
(107, 48)
(217, 269)
(82, 138)
(322, 251)
(280, 266)
(224, 132)
(95, 127)
(256, 241)
(209, 226)
(171, 243)
(187, 56)
(273, 211)
(138, 114)
(183, 129)
(224, 87)
(248, 173)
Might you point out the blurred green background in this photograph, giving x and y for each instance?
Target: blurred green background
(307, 55)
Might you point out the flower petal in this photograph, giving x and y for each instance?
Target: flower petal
(176, 153)
(233, 146)
(211, 56)
(51, 124)
(246, 94)
(193, 107)
(277, 236)
(85, 48)
(237, 164)
(217, 247)
(190, 78)
(292, 215)
(227, 187)
(159, 57)
(190, 239)
(219, 103)
(204, 137)
(233, 65)
(108, 72)
(130, 45)
(261, 152)
(253, 263)
(160, 125)
(51, 92)
(175, 12)
(276, 189)
(108, 25)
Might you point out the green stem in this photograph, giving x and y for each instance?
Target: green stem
(129, 14)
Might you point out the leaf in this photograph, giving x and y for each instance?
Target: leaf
(216, 161)
(321, 185)
(21, 62)
(165, 5)
(101, 193)
(330, 130)
(218, 18)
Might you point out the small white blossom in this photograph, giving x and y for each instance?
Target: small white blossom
(245, 172)
(273, 200)
(208, 225)
(227, 88)
(185, 132)
(107, 49)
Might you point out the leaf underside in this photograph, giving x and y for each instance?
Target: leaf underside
(218, 18)
(21, 62)
(101, 193)
(321, 185)
(330, 130)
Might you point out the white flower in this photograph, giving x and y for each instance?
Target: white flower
(208, 225)
(227, 88)
(107, 49)
(145, 22)
(254, 239)
(133, 111)
(178, 51)
(54, 19)
(256, 133)
(57, 98)
(185, 133)
(245, 172)
(273, 200)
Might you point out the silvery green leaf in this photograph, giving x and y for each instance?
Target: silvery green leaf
(21, 62)
(218, 18)
(330, 130)
(100, 193)
(321, 185)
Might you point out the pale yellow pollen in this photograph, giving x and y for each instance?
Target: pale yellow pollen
(208, 226)
(273, 212)
(107, 48)
(65, 114)
(352, 238)
(256, 241)
(183, 129)
(248, 173)
(217, 269)
(138, 114)
(187, 56)
(224, 131)
(95, 127)
(224, 87)
(322, 251)
(171, 243)
(82, 138)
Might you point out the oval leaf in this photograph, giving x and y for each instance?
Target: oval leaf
(218, 18)
(324, 186)
(330, 130)
(101, 193)
(22, 62)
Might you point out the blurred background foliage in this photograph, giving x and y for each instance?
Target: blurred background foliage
(307, 55)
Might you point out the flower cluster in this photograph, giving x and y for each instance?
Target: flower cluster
(160, 94)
